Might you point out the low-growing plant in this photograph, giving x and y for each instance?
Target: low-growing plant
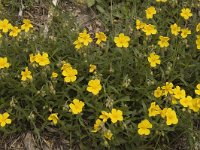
(135, 86)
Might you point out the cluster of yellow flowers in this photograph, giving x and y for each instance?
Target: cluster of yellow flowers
(185, 13)
(148, 29)
(41, 59)
(175, 29)
(6, 26)
(154, 110)
(76, 107)
(175, 95)
(84, 39)
(163, 42)
(178, 95)
(69, 73)
(170, 114)
(94, 86)
(123, 41)
(115, 115)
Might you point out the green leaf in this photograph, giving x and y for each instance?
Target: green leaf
(90, 3)
(100, 9)
(123, 99)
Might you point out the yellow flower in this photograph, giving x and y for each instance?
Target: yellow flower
(104, 115)
(197, 91)
(122, 40)
(97, 126)
(76, 107)
(150, 12)
(101, 37)
(195, 104)
(14, 31)
(108, 134)
(178, 93)
(198, 102)
(144, 126)
(116, 115)
(27, 25)
(158, 92)
(4, 62)
(186, 13)
(139, 24)
(66, 66)
(163, 41)
(4, 119)
(154, 59)
(185, 32)
(53, 117)
(84, 38)
(198, 27)
(173, 100)
(78, 44)
(171, 117)
(154, 109)
(94, 86)
(26, 75)
(185, 102)
(70, 74)
(149, 29)
(54, 75)
(32, 58)
(163, 112)
(43, 59)
(5, 25)
(167, 88)
(92, 68)
(198, 41)
(175, 29)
